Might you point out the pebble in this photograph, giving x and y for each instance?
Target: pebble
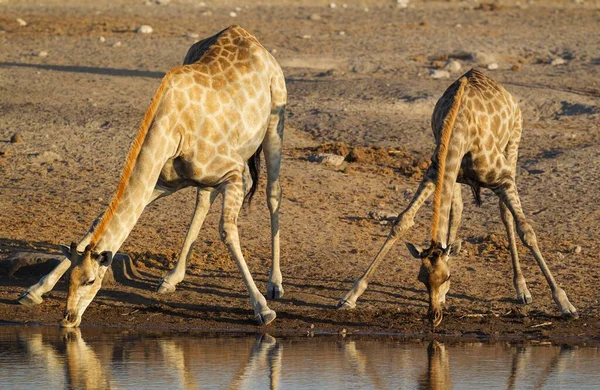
(577, 249)
(492, 66)
(402, 3)
(207, 13)
(332, 5)
(306, 36)
(233, 14)
(192, 35)
(453, 66)
(515, 68)
(558, 61)
(102, 39)
(145, 29)
(315, 17)
(21, 22)
(117, 44)
(42, 53)
(329, 159)
(16, 138)
(342, 33)
(483, 58)
(440, 74)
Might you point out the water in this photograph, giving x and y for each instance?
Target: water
(48, 358)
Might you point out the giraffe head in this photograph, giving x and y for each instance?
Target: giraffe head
(435, 274)
(85, 280)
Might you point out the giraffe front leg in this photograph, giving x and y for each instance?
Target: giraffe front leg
(233, 197)
(272, 145)
(204, 199)
(404, 222)
(523, 294)
(508, 193)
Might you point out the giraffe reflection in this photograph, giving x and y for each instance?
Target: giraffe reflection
(437, 376)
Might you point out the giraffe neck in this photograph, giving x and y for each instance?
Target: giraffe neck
(123, 213)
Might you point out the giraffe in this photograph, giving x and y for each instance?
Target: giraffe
(477, 128)
(205, 127)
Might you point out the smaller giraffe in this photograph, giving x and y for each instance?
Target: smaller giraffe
(477, 127)
(205, 128)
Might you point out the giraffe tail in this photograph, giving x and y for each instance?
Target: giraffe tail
(476, 190)
(254, 167)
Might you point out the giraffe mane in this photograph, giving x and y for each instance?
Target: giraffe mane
(443, 153)
(132, 156)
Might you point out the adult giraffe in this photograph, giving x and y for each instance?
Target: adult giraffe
(205, 127)
(477, 129)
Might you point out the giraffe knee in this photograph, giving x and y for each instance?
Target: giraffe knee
(274, 196)
(228, 229)
(528, 235)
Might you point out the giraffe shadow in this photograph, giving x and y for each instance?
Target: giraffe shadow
(88, 69)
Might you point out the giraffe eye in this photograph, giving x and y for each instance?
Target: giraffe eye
(89, 282)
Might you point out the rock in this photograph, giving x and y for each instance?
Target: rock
(577, 249)
(329, 159)
(315, 17)
(453, 66)
(21, 22)
(207, 13)
(306, 36)
(440, 74)
(492, 66)
(332, 5)
(102, 39)
(438, 64)
(402, 3)
(162, 2)
(192, 35)
(515, 68)
(558, 61)
(117, 44)
(483, 58)
(42, 53)
(144, 29)
(16, 138)
(233, 14)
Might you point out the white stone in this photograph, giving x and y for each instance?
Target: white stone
(492, 66)
(192, 35)
(332, 5)
(233, 14)
(117, 44)
(21, 22)
(577, 249)
(344, 5)
(238, 9)
(145, 29)
(402, 3)
(102, 39)
(207, 13)
(342, 32)
(440, 74)
(453, 66)
(305, 36)
(315, 17)
(558, 61)
(42, 53)
(483, 58)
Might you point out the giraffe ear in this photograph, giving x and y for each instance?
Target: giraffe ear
(105, 258)
(65, 251)
(415, 250)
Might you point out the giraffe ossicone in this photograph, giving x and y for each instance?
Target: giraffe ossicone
(477, 128)
(206, 127)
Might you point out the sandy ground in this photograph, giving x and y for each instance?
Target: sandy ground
(359, 75)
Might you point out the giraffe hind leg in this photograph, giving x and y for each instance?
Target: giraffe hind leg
(233, 197)
(204, 199)
(272, 145)
(509, 195)
(523, 294)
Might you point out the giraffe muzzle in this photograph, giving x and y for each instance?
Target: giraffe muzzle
(435, 316)
(70, 320)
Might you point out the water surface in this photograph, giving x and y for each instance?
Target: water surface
(50, 358)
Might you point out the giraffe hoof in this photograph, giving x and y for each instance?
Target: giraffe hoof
(29, 299)
(274, 291)
(524, 299)
(266, 317)
(345, 305)
(165, 287)
(573, 314)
